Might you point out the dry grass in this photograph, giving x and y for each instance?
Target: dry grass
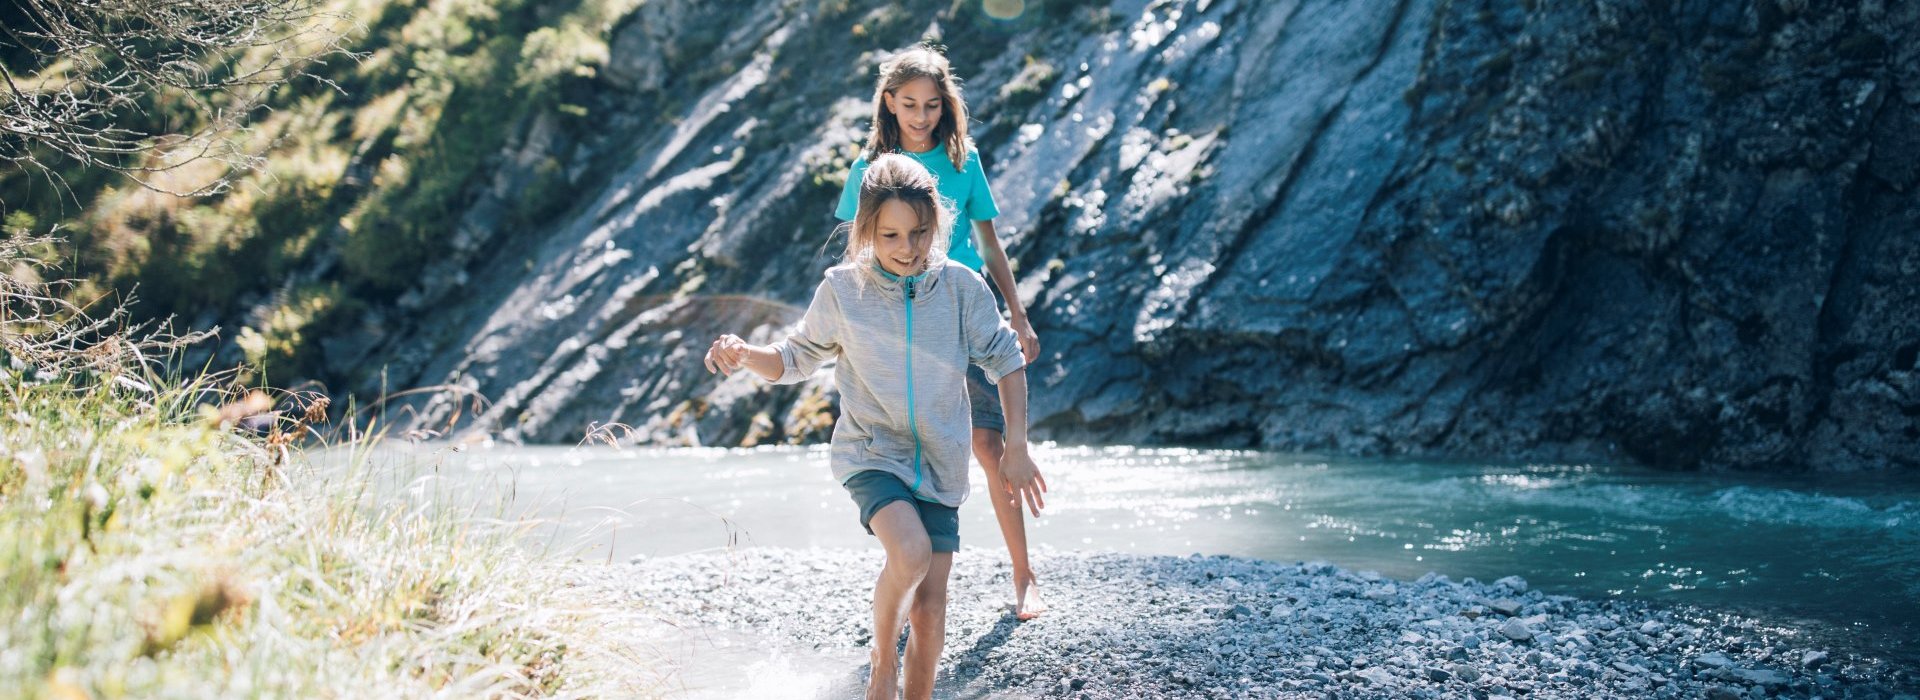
(168, 537)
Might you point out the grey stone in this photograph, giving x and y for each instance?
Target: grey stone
(1516, 631)
(1712, 660)
(1373, 247)
(1376, 676)
(1765, 677)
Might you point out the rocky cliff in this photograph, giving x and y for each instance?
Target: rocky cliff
(1676, 233)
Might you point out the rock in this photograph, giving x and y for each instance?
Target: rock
(1194, 240)
(1376, 676)
(1652, 627)
(1466, 673)
(1470, 642)
(1721, 693)
(1516, 631)
(1813, 659)
(1513, 583)
(1239, 612)
(1766, 677)
(1505, 606)
(1437, 675)
(1629, 669)
(1712, 660)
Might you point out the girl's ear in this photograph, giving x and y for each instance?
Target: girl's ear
(886, 99)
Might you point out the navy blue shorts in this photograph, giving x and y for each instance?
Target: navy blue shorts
(985, 398)
(872, 490)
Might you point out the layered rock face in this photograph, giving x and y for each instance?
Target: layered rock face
(1676, 233)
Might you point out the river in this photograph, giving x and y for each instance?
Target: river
(1837, 555)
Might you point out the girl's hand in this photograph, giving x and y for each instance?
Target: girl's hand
(1029, 341)
(1023, 480)
(726, 355)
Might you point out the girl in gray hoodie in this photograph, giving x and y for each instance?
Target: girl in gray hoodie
(904, 323)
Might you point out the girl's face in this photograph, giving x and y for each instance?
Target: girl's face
(916, 105)
(900, 241)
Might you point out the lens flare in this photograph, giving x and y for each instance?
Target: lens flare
(1004, 9)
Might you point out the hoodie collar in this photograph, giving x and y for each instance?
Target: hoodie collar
(923, 282)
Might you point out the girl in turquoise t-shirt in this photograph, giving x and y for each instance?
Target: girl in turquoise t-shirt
(918, 110)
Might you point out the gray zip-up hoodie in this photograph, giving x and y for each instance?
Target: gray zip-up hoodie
(903, 346)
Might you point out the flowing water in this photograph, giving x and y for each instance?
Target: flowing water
(1835, 554)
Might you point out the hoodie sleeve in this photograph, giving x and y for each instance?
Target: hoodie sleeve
(815, 341)
(991, 343)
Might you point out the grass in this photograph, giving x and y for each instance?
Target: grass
(372, 164)
(148, 549)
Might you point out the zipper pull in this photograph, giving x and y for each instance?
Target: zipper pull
(909, 287)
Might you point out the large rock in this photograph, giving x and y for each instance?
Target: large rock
(1671, 233)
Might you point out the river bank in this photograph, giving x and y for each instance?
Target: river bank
(1143, 626)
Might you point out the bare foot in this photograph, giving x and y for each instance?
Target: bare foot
(884, 684)
(1028, 603)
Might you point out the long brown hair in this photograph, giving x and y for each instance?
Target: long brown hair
(906, 67)
(895, 176)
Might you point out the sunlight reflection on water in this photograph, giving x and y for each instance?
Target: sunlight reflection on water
(1840, 548)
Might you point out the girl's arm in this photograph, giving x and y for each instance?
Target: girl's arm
(730, 353)
(1002, 275)
(815, 340)
(1016, 466)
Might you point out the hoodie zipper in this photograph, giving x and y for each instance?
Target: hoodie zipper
(912, 422)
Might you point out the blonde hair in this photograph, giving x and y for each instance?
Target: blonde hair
(906, 67)
(894, 176)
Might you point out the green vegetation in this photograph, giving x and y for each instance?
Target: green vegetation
(149, 551)
(376, 159)
(149, 548)
(1027, 88)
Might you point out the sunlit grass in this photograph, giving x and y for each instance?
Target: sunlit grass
(147, 549)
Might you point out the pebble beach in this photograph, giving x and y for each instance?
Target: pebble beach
(1130, 626)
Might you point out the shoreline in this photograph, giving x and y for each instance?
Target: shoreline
(1138, 625)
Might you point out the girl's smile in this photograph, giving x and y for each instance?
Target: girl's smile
(901, 240)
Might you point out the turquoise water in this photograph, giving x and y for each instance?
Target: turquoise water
(1837, 555)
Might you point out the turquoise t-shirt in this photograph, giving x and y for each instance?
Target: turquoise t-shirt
(972, 199)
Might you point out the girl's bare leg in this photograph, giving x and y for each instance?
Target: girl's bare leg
(988, 447)
(929, 617)
(909, 554)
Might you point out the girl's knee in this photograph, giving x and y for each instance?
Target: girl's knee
(989, 446)
(930, 599)
(912, 560)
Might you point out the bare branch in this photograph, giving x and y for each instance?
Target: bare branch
(94, 66)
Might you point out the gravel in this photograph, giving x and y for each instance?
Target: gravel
(1125, 626)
